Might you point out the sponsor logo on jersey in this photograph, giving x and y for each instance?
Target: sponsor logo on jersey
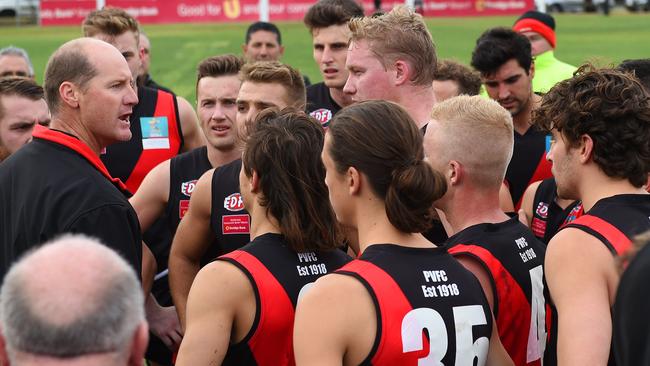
(233, 202)
(235, 224)
(323, 116)
(542, 210)
(183, 207)
(188, 187)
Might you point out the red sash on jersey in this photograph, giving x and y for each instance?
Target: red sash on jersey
(165, 107)
(271, 341)
(543, 171)
(393, 306)
(80, 148)
(511, 306)
(617, 242)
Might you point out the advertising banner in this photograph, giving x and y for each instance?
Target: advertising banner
(71, 12)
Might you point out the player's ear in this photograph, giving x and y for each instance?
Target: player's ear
(586, 148)
(402, 72)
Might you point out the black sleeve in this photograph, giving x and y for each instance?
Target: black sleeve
(115, 225)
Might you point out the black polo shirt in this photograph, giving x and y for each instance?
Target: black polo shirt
(56, 184)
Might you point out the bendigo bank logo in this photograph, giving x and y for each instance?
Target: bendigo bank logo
(233, 202)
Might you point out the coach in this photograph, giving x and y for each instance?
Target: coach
(57, 183)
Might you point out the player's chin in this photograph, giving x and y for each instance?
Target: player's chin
(124, 135)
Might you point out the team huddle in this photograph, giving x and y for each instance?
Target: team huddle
(388, 215)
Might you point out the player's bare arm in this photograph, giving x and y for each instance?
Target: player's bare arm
(335, 323)
(219, 304)
(582, 279)
(191, 241)
(150, 200)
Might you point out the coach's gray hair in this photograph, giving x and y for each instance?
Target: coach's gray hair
(106, 326)
(16, 51)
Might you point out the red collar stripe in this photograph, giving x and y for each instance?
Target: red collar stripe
(80, 148)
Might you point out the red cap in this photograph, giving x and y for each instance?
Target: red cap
(534, 25)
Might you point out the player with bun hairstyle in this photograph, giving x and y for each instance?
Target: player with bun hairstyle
(377, 309)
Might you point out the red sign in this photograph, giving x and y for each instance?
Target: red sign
(60, 12)
(236, 224)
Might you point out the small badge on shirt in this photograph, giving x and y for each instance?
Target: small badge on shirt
(183, 207)
(188, 187)
(235, 224)
(155, 133)
(323, 116)
(233, 202)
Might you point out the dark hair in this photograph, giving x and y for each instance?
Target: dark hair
(284, 148)
(497, 46)
(68, 63)
(469, 82)
(19, 86)
(216, 66)
(640, 68)
(380, 139)
(326, 13)
(609, 106)
(263, 26)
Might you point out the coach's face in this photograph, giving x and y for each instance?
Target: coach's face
(107, 100)
(368, 78)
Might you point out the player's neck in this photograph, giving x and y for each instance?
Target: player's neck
(342, 99)
(467, 209)
(600, 186)
(262, 222)
(523, 120)
(374, 227)
(218, 157)
(74, 127)
(419, 104)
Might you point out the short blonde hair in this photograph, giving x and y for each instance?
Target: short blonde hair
(276, 72)
(110, 21)
(399, 34)
(478, 133)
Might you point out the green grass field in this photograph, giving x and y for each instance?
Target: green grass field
(178, 48)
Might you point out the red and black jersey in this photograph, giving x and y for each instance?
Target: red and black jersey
(548, 216)
(528, 163)
(320, 104)
(229, 220)
(514, 259)
(156, 137)
(278, 276)
(430, 309)
(184, 170)
(631, 328)
(616, 220)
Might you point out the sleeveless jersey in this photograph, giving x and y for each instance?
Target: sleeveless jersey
(229, 220)
(631, 328)
(156, 137)
(184, 170)
(320, 104)
(548, 216)
(616, 220)
(528, 163)
(514, 259)
(430, 310)
(278, 275)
